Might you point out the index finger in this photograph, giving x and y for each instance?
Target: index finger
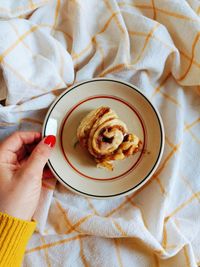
(15, 141)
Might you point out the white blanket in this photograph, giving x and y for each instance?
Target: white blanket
(154, 44)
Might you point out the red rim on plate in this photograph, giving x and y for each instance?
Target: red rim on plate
(132, 109)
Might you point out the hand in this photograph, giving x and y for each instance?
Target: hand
(22, 160)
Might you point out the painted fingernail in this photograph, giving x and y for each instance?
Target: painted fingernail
(50, 140)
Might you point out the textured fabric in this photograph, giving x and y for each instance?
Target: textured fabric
(153, 44)
(14, 236)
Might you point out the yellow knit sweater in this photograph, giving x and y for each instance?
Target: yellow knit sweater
(14, 236)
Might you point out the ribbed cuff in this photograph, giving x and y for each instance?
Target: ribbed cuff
(14, 236)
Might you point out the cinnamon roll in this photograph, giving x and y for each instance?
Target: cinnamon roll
(106, 137)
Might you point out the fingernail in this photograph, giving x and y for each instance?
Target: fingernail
(50, 140)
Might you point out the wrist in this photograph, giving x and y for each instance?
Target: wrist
(16, 214)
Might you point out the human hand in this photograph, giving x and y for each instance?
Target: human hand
(22, 160)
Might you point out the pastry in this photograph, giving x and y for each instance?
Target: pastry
(106, 137)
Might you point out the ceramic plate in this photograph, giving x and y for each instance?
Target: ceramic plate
(74, 167)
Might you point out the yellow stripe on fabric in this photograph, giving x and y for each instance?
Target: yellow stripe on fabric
(176, 15)
(50, 26)
(116, 242)
(140, 6)
(169, 142)
(166, 45)
(188, 126)
(76, 2)
(71, 226)
(56, 13)
(144, 34)
(194, 136)
(155, 176)
(116, 68)
(189, 186)
(45, 252)
(124, 202)
(169, 13)
(77, 55)
(191, 60)
(164, 241)
(44, 90)
(55, 91)
(164, 193)
(18, 34)
(135, 206)
(149, 35)
(22, 37)
(198, 11)
(162, 189)
(67, 221)
(101, 52)
(186, 256)
(113, 15)
(77, 224)
(173, 100)
(56, 243)
(115, 18)
(173, 151)
(119, 228)
(22, 77)
(194, 196)
(31, 4)
(84, 261)
(154, 9)
(31, 120)
(157, 89)
(92, 206)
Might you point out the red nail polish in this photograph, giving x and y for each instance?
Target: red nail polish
(50, 140)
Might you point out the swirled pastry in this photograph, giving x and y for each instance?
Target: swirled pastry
(106, 137)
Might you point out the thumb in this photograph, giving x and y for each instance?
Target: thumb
(38, 158)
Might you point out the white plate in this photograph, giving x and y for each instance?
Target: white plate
(74, 167)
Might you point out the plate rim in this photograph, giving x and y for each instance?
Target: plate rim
(153, 169)
(134, 110)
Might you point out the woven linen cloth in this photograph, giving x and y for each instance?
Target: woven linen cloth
(46, 46)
